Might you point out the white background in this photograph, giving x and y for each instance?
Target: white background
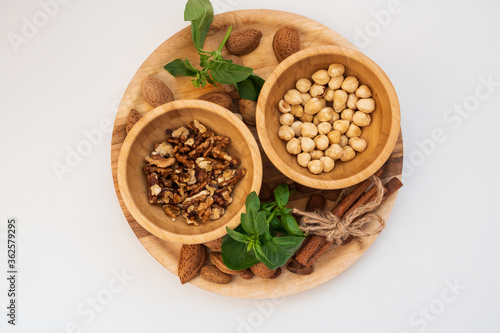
(70, 75)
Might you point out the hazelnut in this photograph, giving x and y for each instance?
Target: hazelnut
(286, 133)
(339, 100)
(286, 119)
(348, 154)
(344, 140)
(328, 163)
(341, 125)
(313, 106)
(307, 144)
(361, 119)
(293, 97)
(316, 120)
(325, 114)
(323, 102)
(305, 98)
(303, 159)
(357, 144)
(366, 105)
(329, 95)
(335, 70)
(335, 151)
(315, 167)
(317, 90)
(284, 107)
(321, 77)
(306, 118)
(303, 85)
(352, 99)
(334, 137)
(336, 82)
(324, 128)
(321, 142)
(347, 114)
(335, 117)
(296, 126)
(293, 146)
(317, 154)
(363, 91)
(353, 131)
(309, 130)
(350, 84)
(297, 110)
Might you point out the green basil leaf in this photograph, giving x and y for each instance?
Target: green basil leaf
(290, 225)
(281, 195)
(250, 87)
(268, 206)
(201, 15)
(228, 73)
(252, 201)
(275, 224)
(180, 67)
(279, 249)
(237, 236)
(235, 255)
(261, 256)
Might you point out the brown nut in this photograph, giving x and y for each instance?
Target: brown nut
(243, 41)
(215, 244)
(191, 259)
(276, 273)
(216, 258)
(260, 269)
(155, 91)
(247, 110)
(133, 117)
(247, 274)
(286, 42)
(315, 202)
(211, 273)
(299, 269)
(219, 98)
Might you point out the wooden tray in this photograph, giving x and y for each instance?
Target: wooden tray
(263, 61)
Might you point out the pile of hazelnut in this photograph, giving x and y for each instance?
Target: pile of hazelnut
(322, 120)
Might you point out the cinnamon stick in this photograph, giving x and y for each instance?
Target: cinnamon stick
(390, 188)
(314, 242)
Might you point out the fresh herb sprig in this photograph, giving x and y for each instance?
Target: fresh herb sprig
(214, 68)
(255, 239)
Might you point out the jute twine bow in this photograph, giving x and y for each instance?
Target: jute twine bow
(355, 223)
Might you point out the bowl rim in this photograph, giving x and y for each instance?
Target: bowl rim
(122, 168)
(310, 181)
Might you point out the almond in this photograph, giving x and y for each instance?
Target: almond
(216, 258)
(220, 98)
(247, 274)
(191, 259)
(248, 108)
(211, 273)
(243, 41)
(155, 91)
(316, 202)
(286, 42)
(262, 271)
(133, 117)
(215, 244)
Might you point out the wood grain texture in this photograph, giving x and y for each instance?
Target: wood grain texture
(381, 135)
(263, 61)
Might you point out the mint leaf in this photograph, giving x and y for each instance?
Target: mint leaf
(201, 15)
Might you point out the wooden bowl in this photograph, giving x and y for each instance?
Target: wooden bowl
(140, 142)
(381, 135)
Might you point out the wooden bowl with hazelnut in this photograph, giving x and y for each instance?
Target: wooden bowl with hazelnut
(328, 117)
(151, 129)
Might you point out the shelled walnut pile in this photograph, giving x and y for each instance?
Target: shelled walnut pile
(192, 174)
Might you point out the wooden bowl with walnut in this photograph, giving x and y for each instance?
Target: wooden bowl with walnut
(140, 142)
(381, 135)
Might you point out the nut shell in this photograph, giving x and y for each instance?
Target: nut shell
(211, 273)
(260, 269)
(192, 258)
(215, 244)
(219, 98)
(286, 42)
(216, 258)
(133, 117)
(247, 110)
(243, 41)
(155, 91)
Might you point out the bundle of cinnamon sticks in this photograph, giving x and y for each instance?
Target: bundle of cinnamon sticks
(315, 246)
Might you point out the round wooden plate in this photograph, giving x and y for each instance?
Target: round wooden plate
(263, 61)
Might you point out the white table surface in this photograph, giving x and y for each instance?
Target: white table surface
(435, 268)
